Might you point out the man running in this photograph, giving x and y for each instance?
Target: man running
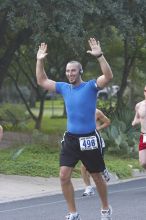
(81, 141)
(101, 122)
(140, 118)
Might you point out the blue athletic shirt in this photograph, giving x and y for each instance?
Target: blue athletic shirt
(80, 102)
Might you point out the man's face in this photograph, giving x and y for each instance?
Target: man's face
(72, 73)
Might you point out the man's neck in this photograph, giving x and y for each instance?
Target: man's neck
(77, 83)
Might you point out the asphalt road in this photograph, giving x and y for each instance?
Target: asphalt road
(128, 200)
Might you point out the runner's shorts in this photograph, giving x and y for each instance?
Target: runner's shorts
(71, 153)
(142, 144)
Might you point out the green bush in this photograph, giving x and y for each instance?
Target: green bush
(13, 115)
(107, 106)
(120, 136)
(52, 141)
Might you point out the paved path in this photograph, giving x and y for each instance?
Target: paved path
(127, 199)
(13, 187)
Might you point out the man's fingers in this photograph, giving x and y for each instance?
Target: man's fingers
(42, 44)
(46, 46)
(90, 43)
(43, 47)
(98, 43)
(89, 51)
(93, 43)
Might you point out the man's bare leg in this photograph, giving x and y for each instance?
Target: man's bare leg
(142, 158)
(67, 187)
(85, 175)
(101, 188)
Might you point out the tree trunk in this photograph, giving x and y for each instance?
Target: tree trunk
(38, 121)
(128, 63)
(7, 57)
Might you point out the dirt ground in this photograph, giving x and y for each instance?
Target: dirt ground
(11, 139)
(14, 138)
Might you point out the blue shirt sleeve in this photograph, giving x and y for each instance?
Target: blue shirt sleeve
(59, 86)
(62, 86)
(94, 84)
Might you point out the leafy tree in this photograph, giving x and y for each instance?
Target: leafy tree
(10, 39)
(25, 22)
(22, 73)
(128, 17)
(66, 26)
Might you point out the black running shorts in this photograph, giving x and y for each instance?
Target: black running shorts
(70, 153)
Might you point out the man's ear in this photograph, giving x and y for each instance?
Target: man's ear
(81, 71)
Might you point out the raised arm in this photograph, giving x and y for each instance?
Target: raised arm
(101, 120)
(136, 119)
(96, 51)
(41, 75)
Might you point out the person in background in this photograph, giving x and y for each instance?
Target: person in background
(101, 122)
(140, 118)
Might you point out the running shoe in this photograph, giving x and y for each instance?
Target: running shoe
(106, 175)
(106, 214)
(73, 217)
(89, 191)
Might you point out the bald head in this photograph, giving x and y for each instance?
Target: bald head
(77, 64)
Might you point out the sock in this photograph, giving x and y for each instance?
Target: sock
(73, 213)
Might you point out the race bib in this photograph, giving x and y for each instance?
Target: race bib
(88, 143)
(144, 138)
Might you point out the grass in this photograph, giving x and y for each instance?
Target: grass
(122, 167)
(51, 108)
(41, 157)
(49, 125)
(53, 125)
(33, 161)
(43, 161)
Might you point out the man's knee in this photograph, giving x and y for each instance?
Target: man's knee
(65, 176)
(97, 177)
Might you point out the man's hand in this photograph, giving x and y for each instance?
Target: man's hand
(41, 54)
(95, 47)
